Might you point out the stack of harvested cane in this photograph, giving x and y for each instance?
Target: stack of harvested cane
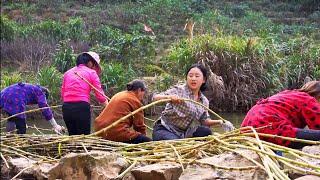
(50, 148)
(185, 151)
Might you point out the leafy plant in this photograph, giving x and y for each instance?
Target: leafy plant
(51, 78)
(64, 57)
(8, 28)
(164, 81)
(8, 79)
(115, 76)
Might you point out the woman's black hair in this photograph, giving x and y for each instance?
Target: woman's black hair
(45, 91)
(135, 85)
(84, 58)
(204, 73)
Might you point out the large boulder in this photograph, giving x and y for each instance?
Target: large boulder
(228, 159)
(27, 168)
(159, 171)
(92, 165)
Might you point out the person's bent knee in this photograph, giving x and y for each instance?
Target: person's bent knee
(202, 131)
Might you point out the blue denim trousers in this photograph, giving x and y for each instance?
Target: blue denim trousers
(162, 133)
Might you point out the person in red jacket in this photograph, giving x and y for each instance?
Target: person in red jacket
(131, 130)
(287, 113)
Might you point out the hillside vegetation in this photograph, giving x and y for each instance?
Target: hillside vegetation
(256, 47)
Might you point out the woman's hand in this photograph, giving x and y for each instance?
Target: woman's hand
(175, 99)
(59, 129)
(227, 126)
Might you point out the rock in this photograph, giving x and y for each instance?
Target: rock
(312, 149)
(159, 171)
(28, 168)
(308, 177)
(315, 150)
(128, 176)
(228, 159)
(198, 172)
(92, 165)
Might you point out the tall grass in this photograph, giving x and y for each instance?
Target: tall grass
(51, 78)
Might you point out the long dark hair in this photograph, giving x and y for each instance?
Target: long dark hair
(135, 85)
(204, 73)
(45, 91)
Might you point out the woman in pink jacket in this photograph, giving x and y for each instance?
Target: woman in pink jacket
(75, 93)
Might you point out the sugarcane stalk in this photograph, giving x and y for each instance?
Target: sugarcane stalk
(14, 177)
(278, 157)
(250, 159)
(285, 138)
(4, 160)
(127, 170)
(228, 168)
(128, 115)
(304, 171)
(32, 110)
(264, 158)
(177, 154)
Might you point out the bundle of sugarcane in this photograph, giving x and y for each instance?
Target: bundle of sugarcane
(51, 148)
(190, 150)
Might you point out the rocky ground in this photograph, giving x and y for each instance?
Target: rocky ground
(98, 165)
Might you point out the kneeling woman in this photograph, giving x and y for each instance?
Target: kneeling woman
(186, 119)
(120, 105)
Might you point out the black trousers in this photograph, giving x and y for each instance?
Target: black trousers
(19, 123)
(77, 117)
(307, 134)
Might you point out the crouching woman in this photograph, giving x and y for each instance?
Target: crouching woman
(131, 130)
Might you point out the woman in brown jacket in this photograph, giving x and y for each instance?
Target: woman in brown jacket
(131, 130)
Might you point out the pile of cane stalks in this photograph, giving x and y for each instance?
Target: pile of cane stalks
(51, 148)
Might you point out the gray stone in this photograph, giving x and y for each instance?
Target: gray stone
(28, 167)
(159, 171)
(92, 165)
(228, 159)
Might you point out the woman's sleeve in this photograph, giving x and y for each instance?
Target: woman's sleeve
(96, 83)
(205, 114)
(138, 118)
(42, 102)
(311, 114)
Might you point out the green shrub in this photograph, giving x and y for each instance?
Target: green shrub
(115, 76)
(105, 35)
(75, 28)
(179, 58)
(64, 57)
(8, 79)
(51, 78)
(164, 82)
(124, 47)
(8, 28)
